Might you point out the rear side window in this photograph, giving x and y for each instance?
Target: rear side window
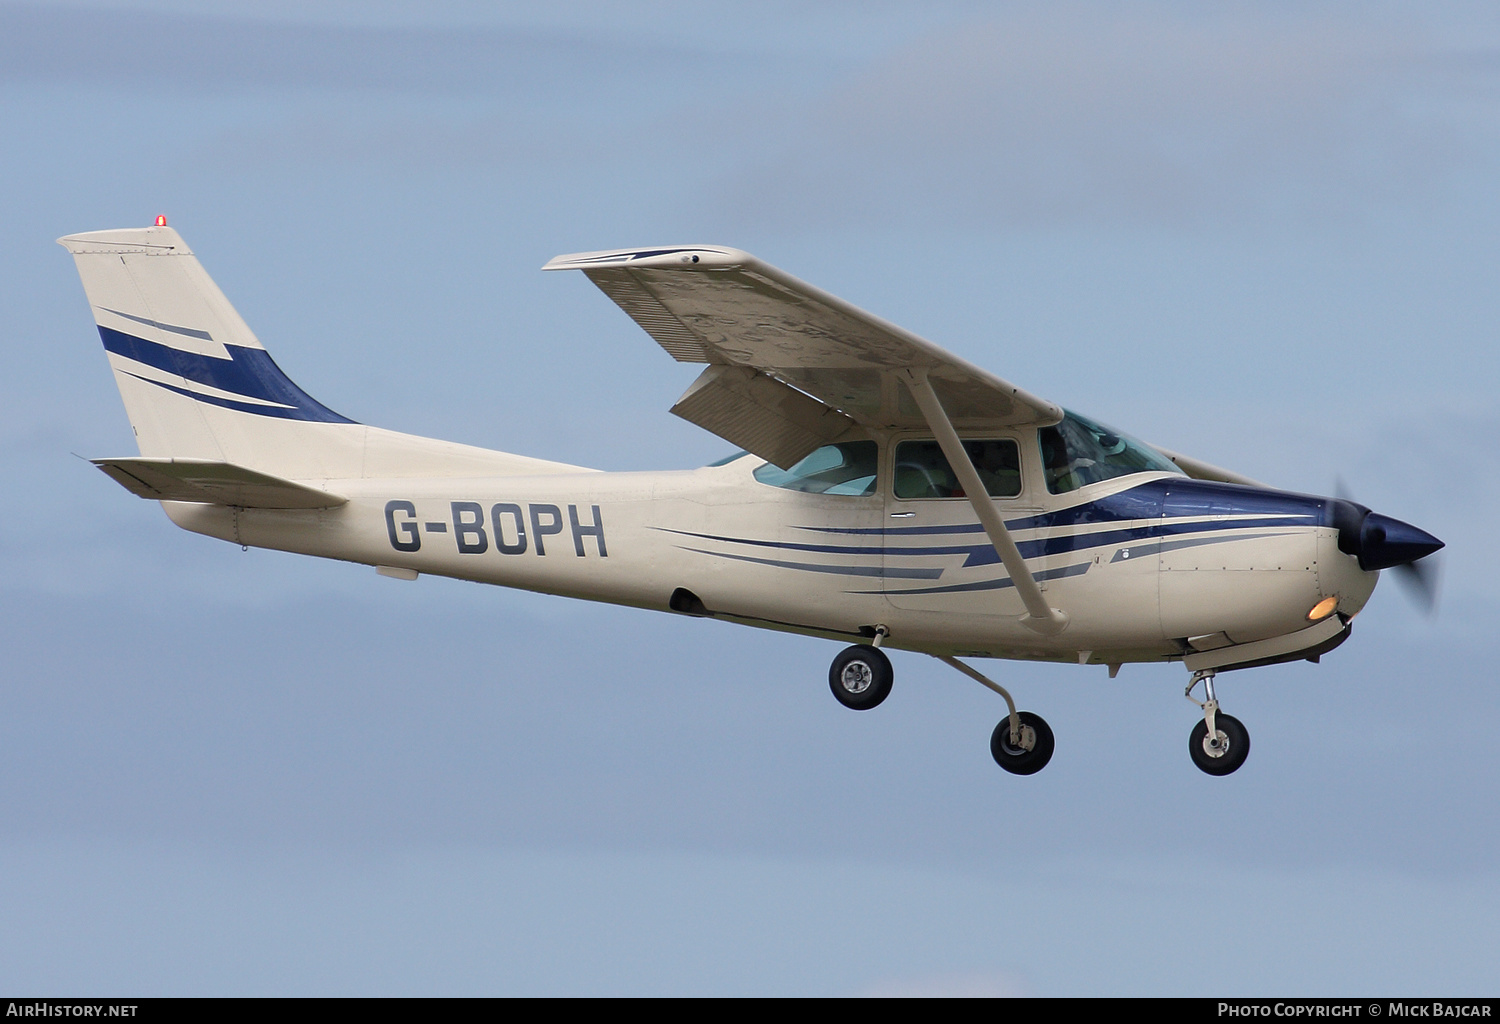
(847, 468)
(922, 470)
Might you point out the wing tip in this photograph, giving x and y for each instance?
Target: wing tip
(661, 257)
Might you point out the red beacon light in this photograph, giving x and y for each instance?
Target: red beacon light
(161, 220)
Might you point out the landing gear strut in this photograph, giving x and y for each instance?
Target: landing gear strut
(1219, 743)
(1022, 742)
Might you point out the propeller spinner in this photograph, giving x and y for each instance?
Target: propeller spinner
(1380, 542)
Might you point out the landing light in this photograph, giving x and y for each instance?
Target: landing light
(1323, 609)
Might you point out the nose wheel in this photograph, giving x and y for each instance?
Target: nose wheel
(1219, 743)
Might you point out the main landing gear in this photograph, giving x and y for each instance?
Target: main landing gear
(861, 678)
(1219, 743)
(1022, 742)
(1025, 752)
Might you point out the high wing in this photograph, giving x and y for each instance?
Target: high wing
(790, 366)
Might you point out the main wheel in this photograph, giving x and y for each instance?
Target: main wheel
(1034, 751)
(861, 677)
(1226, 751)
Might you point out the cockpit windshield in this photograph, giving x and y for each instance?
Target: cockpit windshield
(1079, 451)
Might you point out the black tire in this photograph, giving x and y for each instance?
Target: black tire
(861, 677)
(1236, 741)
(1016, 760)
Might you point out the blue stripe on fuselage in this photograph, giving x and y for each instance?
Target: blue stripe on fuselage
(1141, 502)
(1161, 508)
(1164, 498)
(984, 553)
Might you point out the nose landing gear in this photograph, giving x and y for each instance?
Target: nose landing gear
(1219, 743)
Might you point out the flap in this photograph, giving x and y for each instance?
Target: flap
(760, 414)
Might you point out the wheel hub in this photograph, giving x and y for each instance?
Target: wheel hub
(857, 677)
(1027, 744)
(1216, 745)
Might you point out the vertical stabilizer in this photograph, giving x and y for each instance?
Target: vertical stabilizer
(182, 356)
(199, 386)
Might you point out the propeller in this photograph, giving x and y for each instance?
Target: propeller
(1380, 542)
(1420, 581)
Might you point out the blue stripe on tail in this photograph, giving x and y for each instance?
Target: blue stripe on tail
(249, 373)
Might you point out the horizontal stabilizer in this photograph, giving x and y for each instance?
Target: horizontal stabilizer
(217, 483)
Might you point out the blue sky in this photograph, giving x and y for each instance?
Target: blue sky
(1264, 235)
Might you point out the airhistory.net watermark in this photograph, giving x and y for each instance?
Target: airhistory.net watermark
(44, 1008)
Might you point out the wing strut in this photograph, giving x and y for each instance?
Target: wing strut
(1041, 617)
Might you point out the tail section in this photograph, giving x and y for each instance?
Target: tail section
(199, 386)
(196, 381)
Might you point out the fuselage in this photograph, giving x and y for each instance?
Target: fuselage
(1149, 566)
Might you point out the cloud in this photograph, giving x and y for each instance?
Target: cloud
(184, 54)
(1069, 114)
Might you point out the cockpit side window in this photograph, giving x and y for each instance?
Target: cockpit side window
(1078, 451)
(844, 468)
(922, 470)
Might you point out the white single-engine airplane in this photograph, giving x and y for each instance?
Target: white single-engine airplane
(889, 493)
